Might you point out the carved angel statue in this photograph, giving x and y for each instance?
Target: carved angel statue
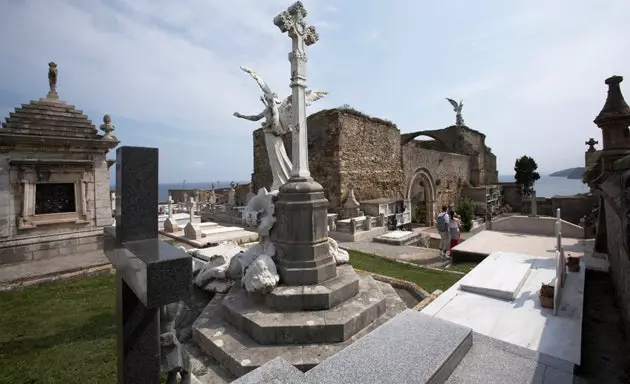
(457, 107)
(278, 121)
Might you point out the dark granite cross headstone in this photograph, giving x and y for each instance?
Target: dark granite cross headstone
(149, 273)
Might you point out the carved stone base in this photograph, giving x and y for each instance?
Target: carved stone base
(233, 347)
(301, 235)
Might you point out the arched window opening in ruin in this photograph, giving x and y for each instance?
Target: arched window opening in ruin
(421, 193)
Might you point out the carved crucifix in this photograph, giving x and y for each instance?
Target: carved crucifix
(292, 21)
(591, 143)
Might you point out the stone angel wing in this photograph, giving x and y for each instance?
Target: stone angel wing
(286, 108)
(453, 103)
(261, 83)
(313, 96)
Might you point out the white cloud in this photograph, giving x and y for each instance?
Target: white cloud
(153, 61)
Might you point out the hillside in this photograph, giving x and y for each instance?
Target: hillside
(570, 173)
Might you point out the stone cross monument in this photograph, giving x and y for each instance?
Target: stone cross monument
(292, 21)
(300, 232)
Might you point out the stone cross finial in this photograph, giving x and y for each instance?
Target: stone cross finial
(292, 21)
(591, 143)
(52, 80)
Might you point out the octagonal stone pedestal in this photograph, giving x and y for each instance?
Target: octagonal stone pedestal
(242, 333)
(301, 235)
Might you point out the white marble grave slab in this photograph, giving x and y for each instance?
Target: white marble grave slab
(501, 277)
(522, 321)
(397, 234)
(358, 218)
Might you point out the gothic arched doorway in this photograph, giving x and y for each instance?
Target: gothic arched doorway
(421, 193)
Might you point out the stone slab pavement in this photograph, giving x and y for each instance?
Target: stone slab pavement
(16, 273)
(428, 257)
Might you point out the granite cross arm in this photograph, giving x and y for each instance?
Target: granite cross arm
(156, 272)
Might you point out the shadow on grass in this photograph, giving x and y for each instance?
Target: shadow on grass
(99, 326)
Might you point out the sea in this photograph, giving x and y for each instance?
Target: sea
(546, 186)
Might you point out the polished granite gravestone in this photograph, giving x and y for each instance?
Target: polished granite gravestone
(149, 273)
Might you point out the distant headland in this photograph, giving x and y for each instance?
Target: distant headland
(570, 173)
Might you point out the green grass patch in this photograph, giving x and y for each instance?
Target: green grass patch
(427, 279)
(59, 333)
(462, 267)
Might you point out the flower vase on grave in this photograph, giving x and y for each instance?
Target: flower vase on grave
(546, 296)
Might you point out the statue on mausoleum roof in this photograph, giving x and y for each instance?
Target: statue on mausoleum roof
(457, 107)
(52, 79)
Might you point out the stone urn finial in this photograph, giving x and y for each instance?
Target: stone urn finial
(351, 201)
(107, 127)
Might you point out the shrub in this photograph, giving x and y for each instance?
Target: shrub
(467, 213)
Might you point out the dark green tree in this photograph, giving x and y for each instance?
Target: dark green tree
(525, 174)
(466, 209)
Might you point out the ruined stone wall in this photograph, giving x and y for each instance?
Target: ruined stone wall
(449, 171)
(466, 141)
(346, 147)
(369, 158)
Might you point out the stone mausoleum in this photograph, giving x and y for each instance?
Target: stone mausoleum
(348, 148)
(54, 180)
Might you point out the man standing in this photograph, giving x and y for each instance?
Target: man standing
(442, 224)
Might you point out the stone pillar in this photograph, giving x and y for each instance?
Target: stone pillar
(170, 207)
(368, 223)
(300, 232)
(191, 210)
(534, 209)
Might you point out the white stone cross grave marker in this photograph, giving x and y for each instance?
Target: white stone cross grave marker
(292, 21)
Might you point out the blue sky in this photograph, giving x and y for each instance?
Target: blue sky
(531, 72)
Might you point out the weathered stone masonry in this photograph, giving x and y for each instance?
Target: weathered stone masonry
(347, 147)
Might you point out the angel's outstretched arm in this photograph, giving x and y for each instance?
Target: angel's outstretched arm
(250, 117)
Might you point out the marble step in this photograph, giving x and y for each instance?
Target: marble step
(412, 347)
(316, 297)
(240, 354)
(269, 326)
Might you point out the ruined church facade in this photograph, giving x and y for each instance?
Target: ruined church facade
(350, 149)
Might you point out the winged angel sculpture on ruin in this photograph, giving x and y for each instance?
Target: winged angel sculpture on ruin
(278, 121)
(457, 107)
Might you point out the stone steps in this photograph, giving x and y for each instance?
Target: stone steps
(45, 105)
(42, 114)
(24, 119)
(316, 297)
(268, 326)
(241, 354)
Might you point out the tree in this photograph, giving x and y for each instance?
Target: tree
(466, 213)
(525, 174)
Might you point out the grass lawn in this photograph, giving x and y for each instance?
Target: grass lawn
(65, 332)
(462, 267)
(59, 333)
(427, 279)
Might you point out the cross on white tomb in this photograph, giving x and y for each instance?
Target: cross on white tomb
(292, 21)
(191, 210)
(170, 207)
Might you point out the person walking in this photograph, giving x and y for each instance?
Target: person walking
(442, 224)
(453, 228)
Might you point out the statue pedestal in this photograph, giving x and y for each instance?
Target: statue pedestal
(301, 235)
